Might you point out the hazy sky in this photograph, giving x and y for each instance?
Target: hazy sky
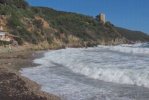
(131, 14)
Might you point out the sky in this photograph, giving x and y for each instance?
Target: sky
(130, 14)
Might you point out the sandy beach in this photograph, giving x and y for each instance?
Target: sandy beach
(12, 85)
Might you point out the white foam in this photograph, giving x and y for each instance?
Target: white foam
(128, 48)
(64, 87)
(102, 64)
(99, 63)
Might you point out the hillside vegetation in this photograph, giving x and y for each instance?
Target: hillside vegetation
(36, 25)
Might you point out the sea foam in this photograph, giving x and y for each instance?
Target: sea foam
(100, 63)
(129, 48)
(122, 64)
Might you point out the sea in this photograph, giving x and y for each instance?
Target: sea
(118, 72)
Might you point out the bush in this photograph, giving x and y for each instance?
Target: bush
(18, 3)
(2, 43)
(14, 21)
(38, 23)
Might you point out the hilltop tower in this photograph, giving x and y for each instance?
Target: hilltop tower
(1, 27)
(102, 18)
(1, 23)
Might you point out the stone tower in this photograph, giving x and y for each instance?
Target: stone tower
(102, 18)
(1, 23)
(1, 27)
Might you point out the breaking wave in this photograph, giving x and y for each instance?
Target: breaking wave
(103, 63)
(140, 48)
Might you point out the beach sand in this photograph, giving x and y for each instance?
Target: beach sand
(12, 85)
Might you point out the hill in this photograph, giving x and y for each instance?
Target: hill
(133, 35)
(41, 25)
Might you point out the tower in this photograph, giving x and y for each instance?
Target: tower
(1, 28)
(102, 18)
(1, 25)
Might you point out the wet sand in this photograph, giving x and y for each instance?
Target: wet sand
(12, 85)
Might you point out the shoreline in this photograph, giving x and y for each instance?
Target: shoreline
(13, 85)
(11, 63)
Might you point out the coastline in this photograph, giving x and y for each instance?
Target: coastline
(10, 77)
(61, 71)
(13, 86)
(11, 63)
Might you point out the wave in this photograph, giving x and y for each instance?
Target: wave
(100, 63)
(129, 48)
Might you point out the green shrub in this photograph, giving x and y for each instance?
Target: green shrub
(3, 43)
(14, 21)
(38, 23)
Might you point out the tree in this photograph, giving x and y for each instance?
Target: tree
(18, 3)
(21, 4)
(97, 17)
(4, 1)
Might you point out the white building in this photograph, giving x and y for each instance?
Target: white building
(4, 36)
(2, 33)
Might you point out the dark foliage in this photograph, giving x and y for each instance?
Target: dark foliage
(18, 3)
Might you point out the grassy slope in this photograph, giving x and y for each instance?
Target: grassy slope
(38, 24)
